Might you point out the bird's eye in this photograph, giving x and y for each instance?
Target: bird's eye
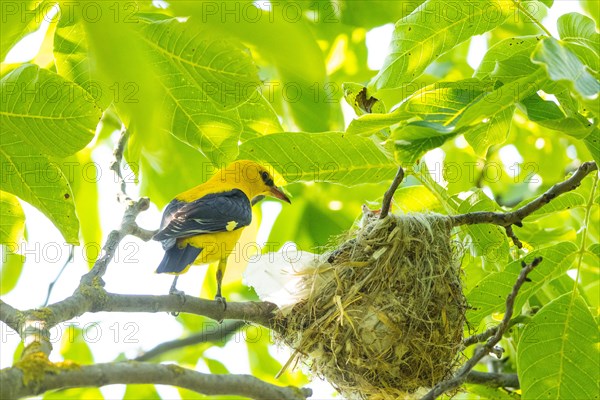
(266, 178)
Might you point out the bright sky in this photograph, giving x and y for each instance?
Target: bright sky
(137, 276)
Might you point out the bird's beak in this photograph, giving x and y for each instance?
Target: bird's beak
(278, 193)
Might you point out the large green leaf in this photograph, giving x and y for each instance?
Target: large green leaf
(324, 157)
(492, 132)
(579, 32)
(430, 31)
(12, 219)
(592, 142)
(557, 354)
(564, 66)
(47, 112)
(38, 181)
(285, 43)
(18, 18)
(489, 295)
(413, 140)
(510, 54)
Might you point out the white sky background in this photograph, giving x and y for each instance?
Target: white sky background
(137, 276)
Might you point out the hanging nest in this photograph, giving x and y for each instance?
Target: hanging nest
(385, 310)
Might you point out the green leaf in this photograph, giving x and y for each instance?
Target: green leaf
(202, 77)
(216, 69)
(564, 66)
(489, 295)
(47, 112)
(141, 392)
(502, 98)
(486, 240)
(591, 7)
(512, 54)
(288, 45)
(258, 117)
(430, 31)
(580, 32)
(38, 181)
(495, 131)
(17, 19)
(71, 52)
(417, 199)
(413, 140)
(74, 346)
(74, 394)
(557, 354)
(12, 219)
(592, 142)
(323, 157)
(12, 266)
(367, 14)
(369, 124)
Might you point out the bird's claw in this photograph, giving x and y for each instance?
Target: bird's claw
(181, 295)
(221, 300)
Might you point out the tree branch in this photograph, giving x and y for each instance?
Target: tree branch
(493, 379)
(57, 376)
(516, 217)
(10, 316)
(115, 164)
(389, 194)
(222, 333)
(461, 376)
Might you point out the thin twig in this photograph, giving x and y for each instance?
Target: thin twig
(461, 376)
(115, 164)
(51, 376)
(220, 334)
(516, 217)
(493, 379)
(51, 285)
(389, 194)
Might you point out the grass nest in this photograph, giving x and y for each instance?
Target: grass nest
(385, 311)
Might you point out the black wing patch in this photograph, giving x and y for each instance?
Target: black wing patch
(209, 214)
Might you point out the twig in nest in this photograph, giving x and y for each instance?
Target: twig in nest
(461, 376)
(389, 194)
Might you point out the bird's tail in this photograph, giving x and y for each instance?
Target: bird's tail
(177, 260)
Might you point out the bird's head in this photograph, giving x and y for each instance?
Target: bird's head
(253, 179)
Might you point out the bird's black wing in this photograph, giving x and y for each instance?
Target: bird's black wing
(215, 212)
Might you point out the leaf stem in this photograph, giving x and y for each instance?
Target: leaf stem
(519, 5)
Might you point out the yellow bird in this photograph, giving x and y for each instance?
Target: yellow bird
(202, 225)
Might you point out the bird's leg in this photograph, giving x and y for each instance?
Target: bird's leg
(179, 293)
(220, 272)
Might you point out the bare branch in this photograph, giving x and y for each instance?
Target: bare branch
(221, 334)
(516, 217)
(389, 194)
(10, 316)
(493, 379)
(54, 377)
(461, 376)
(115, 164)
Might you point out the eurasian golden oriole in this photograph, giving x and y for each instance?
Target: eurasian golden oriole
(202, 225)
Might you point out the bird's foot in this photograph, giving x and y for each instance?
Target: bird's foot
(220, 299)
(181, 295)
